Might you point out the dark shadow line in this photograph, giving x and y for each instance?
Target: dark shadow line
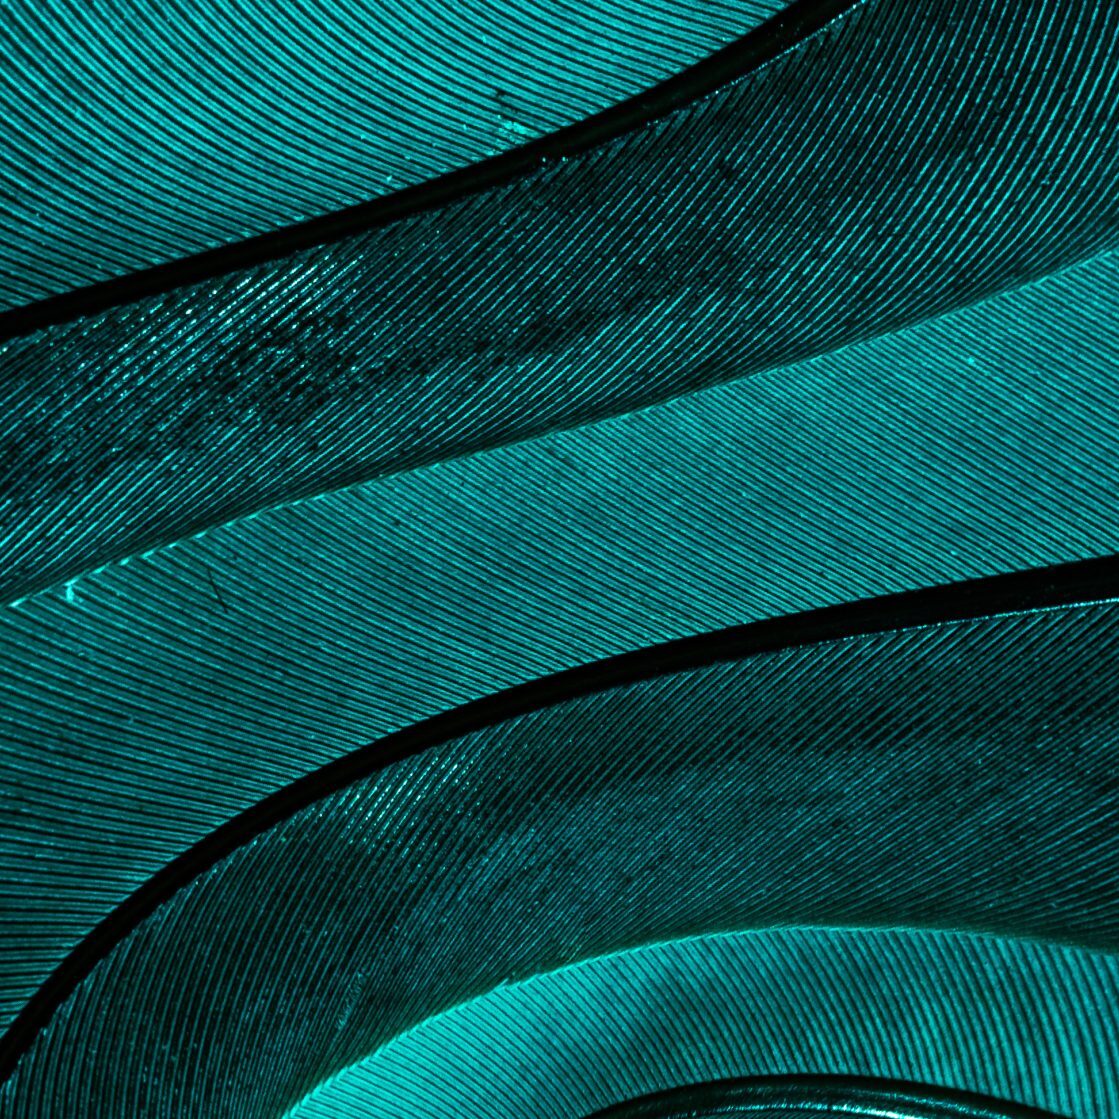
(1038, 588)
(771, 1094)
(776, 35)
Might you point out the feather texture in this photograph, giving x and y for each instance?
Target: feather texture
(842, 328)
(956, 777)
(134, 134)
(742, 233)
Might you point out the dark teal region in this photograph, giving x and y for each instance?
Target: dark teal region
(789, 23)
(1019, 591)
(206, 677)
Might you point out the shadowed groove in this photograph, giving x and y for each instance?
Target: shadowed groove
(811, 1095)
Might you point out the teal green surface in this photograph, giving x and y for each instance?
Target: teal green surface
(845, 327)
(956, 777)
(916, 1006)
(132, 134)
(146, 703)
(742, 233)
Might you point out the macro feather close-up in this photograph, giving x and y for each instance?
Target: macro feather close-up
(559, 559)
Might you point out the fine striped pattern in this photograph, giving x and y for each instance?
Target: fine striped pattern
(967, 147)
(956, 777)
(1004, 1017)
(143, 705)
(134, 133)
(846, 326)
